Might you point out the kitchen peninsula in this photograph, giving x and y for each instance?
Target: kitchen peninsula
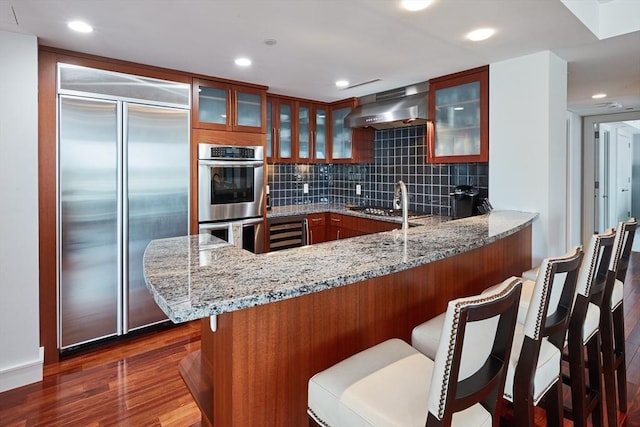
(271, 321)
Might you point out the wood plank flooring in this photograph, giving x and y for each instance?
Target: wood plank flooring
(136, 382)
(132, 383)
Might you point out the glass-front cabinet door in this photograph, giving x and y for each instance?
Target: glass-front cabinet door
(211, 104)
(269, 149)
(341, 147)
(320, 134)
(229, 107)
(248, 113)
(284, 131)
(459, 107)
(280, 130)
(304, 132)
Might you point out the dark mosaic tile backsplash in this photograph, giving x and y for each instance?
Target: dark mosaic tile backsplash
(399, 154)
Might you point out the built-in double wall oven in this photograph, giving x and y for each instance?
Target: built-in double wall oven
(231, 194)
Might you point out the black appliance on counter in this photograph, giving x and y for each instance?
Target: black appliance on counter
(465, 201)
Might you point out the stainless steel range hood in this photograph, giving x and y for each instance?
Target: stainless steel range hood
(396, 108)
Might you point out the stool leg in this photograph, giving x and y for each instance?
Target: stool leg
(553, 405)
(578, 384)
(619, 356)
(606, 333)
(595, 385)
(523, 412)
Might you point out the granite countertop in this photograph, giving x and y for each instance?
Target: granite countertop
(192, 277)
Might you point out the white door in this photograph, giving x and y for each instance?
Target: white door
(622, 188)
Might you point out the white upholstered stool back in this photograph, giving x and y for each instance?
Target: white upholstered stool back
(392, 384)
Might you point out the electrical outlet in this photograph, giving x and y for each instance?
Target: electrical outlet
(358, 189)
(305, 188)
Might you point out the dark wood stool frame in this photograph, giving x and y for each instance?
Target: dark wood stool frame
(586, 396)
(612, 327)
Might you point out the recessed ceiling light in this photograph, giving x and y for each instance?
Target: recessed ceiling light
(80, 26)
(458, 108)
(414, 5)
(599, 96)
(270, 42)
(342, 83)
(243, 62)
(480, 34)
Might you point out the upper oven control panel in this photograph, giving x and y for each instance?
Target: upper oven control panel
(229, 152)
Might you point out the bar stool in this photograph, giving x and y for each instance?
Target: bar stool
(612, 323)
(392, 384)
(584, 331)
(534, 367)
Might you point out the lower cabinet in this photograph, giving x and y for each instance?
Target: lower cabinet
(295, 231)
(317, 228)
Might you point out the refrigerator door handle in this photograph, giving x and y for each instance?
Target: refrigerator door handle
(123, 235)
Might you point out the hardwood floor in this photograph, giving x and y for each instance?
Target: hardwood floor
(136, 382)
(133, 383)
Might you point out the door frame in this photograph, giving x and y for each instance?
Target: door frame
(589, 167)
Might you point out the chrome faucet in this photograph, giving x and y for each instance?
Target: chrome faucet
(401, 200)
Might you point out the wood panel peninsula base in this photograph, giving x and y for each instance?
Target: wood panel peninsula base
(253, 369)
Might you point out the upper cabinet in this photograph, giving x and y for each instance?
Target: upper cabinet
(311, 136)
(459, 108)
(313, 132)
(230, 107)
(280, 132)
(297, 130)
(349, 145)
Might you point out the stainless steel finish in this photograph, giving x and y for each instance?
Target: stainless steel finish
(88, 227)
(387, 212)
(235, 232)
(158, 194)
(123, 181)
(123, 213)
(307, 232)
(121, 238)
(208, 211)
(78, 80)
(401, 201)
(397, 108)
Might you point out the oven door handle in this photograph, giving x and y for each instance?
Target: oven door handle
(216, 226)
(253, 163)
(250, 221)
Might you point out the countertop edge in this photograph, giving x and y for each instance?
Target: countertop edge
(192, 307)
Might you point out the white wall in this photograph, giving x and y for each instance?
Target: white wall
(21, 357)
(528, 144)
(574, 174)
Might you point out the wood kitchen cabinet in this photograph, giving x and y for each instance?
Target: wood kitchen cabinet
(298, 230)
(296, 130)
(311, 132)
(459, 106)
(317, 228)
(228, 107)
(349, 145)
(345, 226)
(281, 129)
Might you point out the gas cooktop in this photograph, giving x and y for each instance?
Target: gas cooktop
(383, 211)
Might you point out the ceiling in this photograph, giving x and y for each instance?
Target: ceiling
(321, 41)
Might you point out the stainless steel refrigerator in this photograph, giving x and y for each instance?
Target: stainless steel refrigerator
(123, 180)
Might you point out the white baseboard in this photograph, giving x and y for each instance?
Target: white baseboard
(23, 374)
